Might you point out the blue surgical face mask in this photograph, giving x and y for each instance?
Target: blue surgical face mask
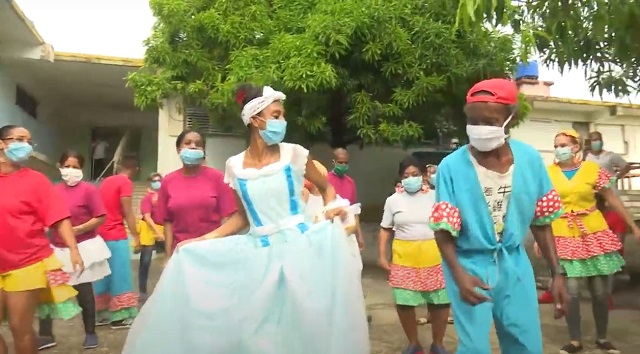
(18, 151)
(274, 131)
(432, 179)
(191, 156)
(596, 145)
(563, 153)
(155, 185)
(412, 184)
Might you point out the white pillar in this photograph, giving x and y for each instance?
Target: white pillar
(170, 125)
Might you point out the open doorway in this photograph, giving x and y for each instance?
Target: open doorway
(104, 144)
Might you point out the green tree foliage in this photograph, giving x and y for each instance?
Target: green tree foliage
(601, 36)
(377, 71)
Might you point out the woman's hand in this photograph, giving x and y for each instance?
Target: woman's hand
(77, 262)
(332, 213)
(159, 237)
(383, 263)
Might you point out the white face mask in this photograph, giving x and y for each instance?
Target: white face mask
(71, 176)
(487, 138)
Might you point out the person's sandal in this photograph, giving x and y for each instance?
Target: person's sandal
(422, 321)
(607, 347)
(413, 349)
(571, 349)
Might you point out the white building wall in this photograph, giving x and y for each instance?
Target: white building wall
(43, 133)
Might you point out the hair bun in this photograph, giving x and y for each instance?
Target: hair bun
(246, 92)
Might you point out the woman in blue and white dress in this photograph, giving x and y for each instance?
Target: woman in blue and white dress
(286, 287)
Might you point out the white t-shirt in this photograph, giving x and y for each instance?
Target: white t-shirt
(408, 214)
(100, 150)
(497, 192)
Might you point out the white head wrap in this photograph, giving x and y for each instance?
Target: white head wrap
(256, 105)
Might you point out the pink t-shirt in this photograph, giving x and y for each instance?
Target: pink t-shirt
(196, 204)
(112, 190)
(147, 206)
(84, 203)
(344, 186)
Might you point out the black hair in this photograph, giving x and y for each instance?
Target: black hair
(180, 138)
(597, 134)
(69, 154)
(6, 130)
(129, 162)
(408, 162)
(153, 175)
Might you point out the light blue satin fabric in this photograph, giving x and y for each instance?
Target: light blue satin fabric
(287, 287)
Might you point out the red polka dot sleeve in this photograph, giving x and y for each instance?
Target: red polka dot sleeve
(605, 179)
(445, 216)
(548, 208)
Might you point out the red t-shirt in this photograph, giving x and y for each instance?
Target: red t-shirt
(84, 203)
(616, 222)
(112, 190)
(29, 204)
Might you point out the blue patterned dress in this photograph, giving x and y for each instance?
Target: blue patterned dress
(286, 287)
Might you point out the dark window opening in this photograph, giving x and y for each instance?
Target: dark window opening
(26, 102)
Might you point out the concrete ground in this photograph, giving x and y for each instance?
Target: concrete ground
(386, 334)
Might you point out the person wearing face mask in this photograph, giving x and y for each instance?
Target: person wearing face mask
(87, 213)
(480, 227)
(587, 248)
(285, 287)
(415, 274)
(151, 231)
(615, 164)
(193, 200)
(345, 186)
(32, 279)
(116, 299)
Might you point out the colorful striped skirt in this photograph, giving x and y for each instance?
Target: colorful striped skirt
(416, 273)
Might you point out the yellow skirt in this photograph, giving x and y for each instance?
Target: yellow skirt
(56, 296)
(147, 236)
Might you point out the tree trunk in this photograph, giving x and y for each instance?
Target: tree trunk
(337, 119)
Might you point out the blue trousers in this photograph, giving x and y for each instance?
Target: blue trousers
(513, 307)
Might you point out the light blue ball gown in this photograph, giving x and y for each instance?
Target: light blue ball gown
(286, 287)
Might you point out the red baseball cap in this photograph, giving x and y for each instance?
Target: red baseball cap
(498, 91)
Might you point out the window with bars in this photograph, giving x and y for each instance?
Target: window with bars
(26, 102)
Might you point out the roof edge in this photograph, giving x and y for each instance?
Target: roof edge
(26, 21)
(582, 102)
(98, 59)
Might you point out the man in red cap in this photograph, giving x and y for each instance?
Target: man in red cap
(490, 193)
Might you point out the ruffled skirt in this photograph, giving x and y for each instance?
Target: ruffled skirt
(95, 255)
(590, 255)
(290, 293)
